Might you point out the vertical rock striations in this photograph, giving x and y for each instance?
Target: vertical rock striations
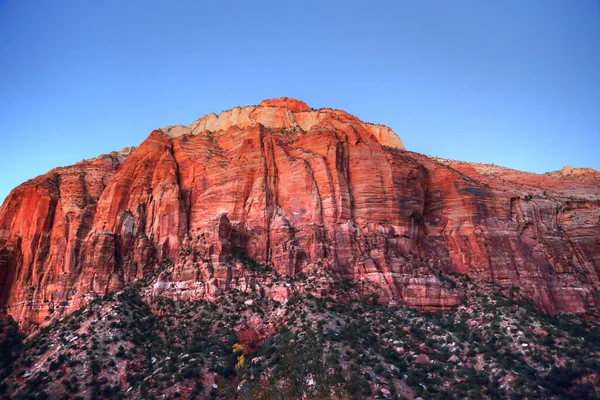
(299, 190)
(44, 228)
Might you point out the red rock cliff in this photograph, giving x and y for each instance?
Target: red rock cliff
(298, 189)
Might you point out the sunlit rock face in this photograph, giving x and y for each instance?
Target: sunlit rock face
(298, 190)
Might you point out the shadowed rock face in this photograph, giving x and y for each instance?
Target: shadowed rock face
(297, 189)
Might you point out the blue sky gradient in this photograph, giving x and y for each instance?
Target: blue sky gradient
(511, 82)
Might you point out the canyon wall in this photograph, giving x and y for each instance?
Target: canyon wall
(298, 190)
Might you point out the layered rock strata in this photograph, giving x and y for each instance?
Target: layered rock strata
(296, 190)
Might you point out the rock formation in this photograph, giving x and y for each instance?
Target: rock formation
(582, 173)
(297, 190)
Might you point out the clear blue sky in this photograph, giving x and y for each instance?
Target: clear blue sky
(510, 82)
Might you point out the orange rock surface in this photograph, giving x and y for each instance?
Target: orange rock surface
(299, 190)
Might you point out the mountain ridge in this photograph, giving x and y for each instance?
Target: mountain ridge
(299, 190)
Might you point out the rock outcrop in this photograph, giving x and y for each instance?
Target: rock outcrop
(297, 190)
(581, 173)
(44, 238)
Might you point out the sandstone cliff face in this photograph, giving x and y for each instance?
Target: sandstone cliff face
(299, 190)
(44, 224)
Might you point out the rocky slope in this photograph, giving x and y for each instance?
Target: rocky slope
(297, 190)
(134, 344)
